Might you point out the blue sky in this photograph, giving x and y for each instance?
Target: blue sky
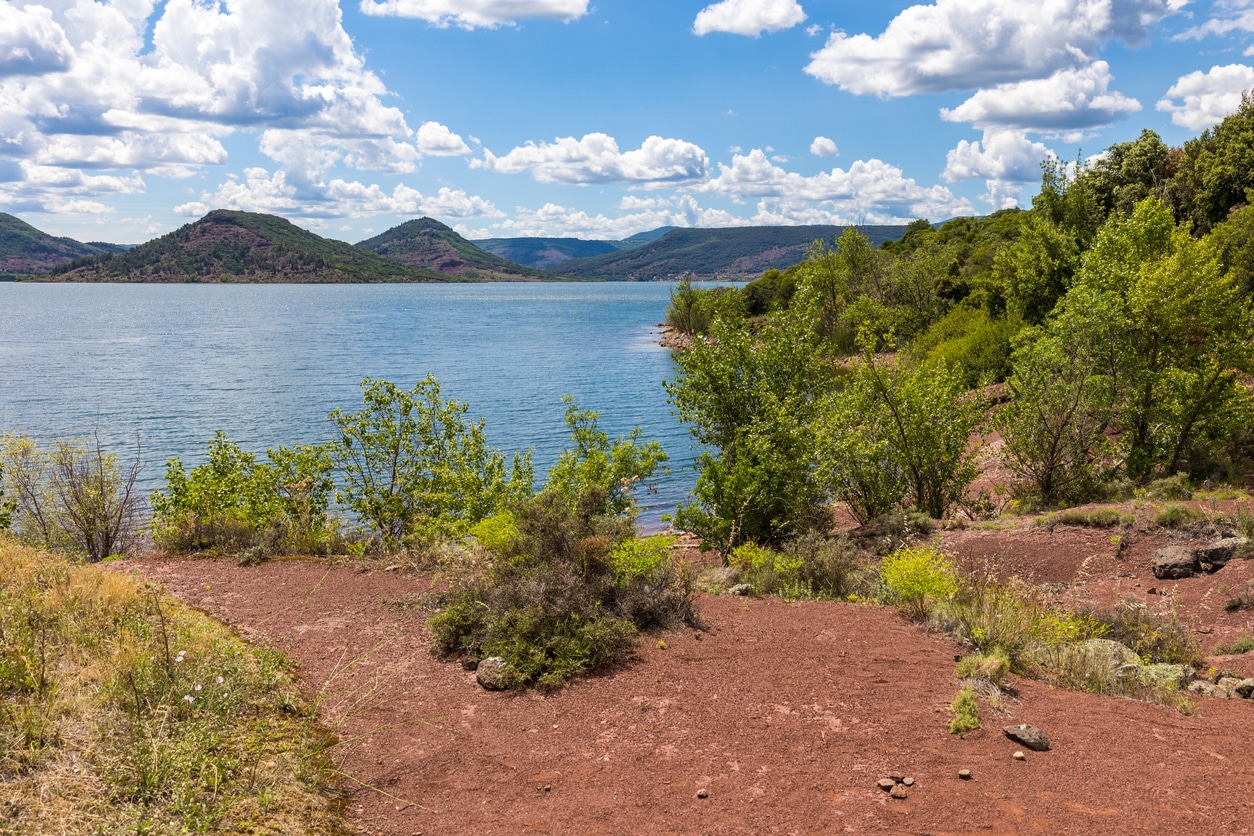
(123, 120)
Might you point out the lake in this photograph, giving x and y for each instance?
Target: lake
(171, 364)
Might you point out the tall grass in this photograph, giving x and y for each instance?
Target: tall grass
(122, 711)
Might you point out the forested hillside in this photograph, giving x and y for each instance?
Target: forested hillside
(431, 245)
(25, 249)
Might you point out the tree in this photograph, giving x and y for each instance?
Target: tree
(1036, 270)
(7, 507)
(1217, 169)
(414, 469)
(611, 470)
(751, 399)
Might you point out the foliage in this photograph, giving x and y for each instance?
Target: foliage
(1092, 518)
(1151, 636)
(1037, 269)
(969, 340)
(991, 667)
(415, 471)
(766, 570)
(172, 723)
(810, 566)
(966, 711)
(427, 243)
(917, 578)
(594, 463)
(1176, 515)
(1236, 647)
(692, 310)
(73, 497)
(495, 532)
(7, 506)
(234, 502)
(567, 596)
(751, 400)
(897, 433)
(1216, 170)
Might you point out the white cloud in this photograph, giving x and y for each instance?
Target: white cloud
(1207, 97)
(597, 159)
(1069, 99)
(277, 193)
(469, 14)
(31, 41)
(1240, 18)
(748, 17)
(555, 220)
(868, 189)
(1005, 160)
(970, 44)
(435, 140)
(824, 147)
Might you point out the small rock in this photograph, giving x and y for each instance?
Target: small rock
(1245, 688)
(703, 793)
(548, 788)
(964, 774)
(897, 778)
(899, 791)
(886, 784)
(470, 664)
(740, 589)
(1173, 563)
(491, 673)
(1019, 756)
(908, 781)
(1205, 689)
(1029, 736)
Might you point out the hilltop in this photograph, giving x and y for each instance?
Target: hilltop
(729, 253)
(428, 244)
(547, 253)
(226, 246)
(25, 249)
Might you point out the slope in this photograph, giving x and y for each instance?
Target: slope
(731, 253)
(547, 253)
(228, 246)
(426, 243)
(25, 249)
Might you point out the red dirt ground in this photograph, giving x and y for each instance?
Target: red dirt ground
(786, 714)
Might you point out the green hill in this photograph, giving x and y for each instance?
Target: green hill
(428, 244)
(25, 249)
(243, 247)
(547, 253)
(731, 253)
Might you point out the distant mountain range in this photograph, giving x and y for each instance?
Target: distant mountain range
(226, 246)
(731, 253)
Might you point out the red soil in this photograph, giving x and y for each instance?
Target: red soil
(786, 714)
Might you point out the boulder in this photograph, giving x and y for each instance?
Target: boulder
(1029, 736)
(1215, 556)
(1206, 689)
(491, 674)
(1245, 689)
(1164, 676)
(1172, 563)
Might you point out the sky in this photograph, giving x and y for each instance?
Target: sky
(121, 120)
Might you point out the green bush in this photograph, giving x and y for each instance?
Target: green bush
(1153, 637)
(1093, 518)
(971, 340)
(990, 667)
(495, 533)
(1169, 488)
(767, 571)
(1236, 647)
(1175, 515)
(638, 558)
(966, 711)
(831, 567)
(916, 578)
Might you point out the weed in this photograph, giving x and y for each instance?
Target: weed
(1171, 488)
(1154, 637)
(1245, 644)
(991, 667)
(966, 711)
(1237, 603)
(917, 578)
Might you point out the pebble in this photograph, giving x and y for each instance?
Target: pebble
(908, 781)
(886, 784)
(899, 791)
(703, 793)
(964, 774)
(1019, 756)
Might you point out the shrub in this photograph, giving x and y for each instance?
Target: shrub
(1244, 601)
(567, 595)
(767, 571)
(1175, 515)
(966, 711)
(830, 566)
(991, 667)
(1153, 637)
(1171, 487)
(1094, 518)
(917, 578)
(972, 341)
(1244, 644)
(495, 533)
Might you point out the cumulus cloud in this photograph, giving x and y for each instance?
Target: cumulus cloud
(469, 14)
(435, 140)
(868, 189)
(1205, 98)
(263, 191)
(970, 44)
(1237, 16)
(1005, 160)
(155, 87)
(1069, 99)
(596, 159)
(824, 147)
(748, 17)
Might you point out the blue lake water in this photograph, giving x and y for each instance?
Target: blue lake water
(266, 363)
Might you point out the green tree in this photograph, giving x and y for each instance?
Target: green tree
(1234, 245)
(751, 399)
(7, 506)
(1217, 169)
(415, 470)
(1037, 269)
(611, 470)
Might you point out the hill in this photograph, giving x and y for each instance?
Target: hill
(731, 253)
(25, 249)
(547, 253)
(426, 243)
(243, 247)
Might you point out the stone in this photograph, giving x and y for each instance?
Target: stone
(908, 781)
(1172, 563)
(740, 589)
(886, 784)
(964, 774)
(1019, 756)
(899, 792)
(1206, 689)
(1217, 554)
(1245, 689)
(491, 673)
(470, 664)
(1164, 675)
(1029, 736)
(703, 793)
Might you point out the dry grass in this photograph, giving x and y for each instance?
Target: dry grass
(123, 712)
